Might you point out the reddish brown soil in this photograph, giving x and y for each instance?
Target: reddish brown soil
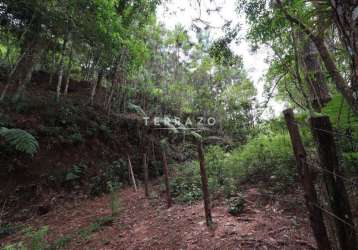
(147, 224)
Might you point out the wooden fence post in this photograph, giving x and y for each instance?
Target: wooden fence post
(204, 182)
(145, 171)
(315, 213)
(338, 197)
(166, 178)
(131, 173)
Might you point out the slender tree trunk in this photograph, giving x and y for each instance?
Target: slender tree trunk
(87, 66)
(305, 175)
(130, 170)
(166, 179)
(338, 197)
(68, 76)
(204, 182)
(95, 84)
(53, 66)
(146, 177)
(22, 72)
(62, 65)
(4, 92)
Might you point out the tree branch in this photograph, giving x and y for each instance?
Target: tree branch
(341, 84)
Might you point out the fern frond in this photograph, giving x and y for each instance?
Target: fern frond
(137, 109)
(20, 139)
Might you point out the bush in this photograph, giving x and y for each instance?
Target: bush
(36, 239)
(6, 230)
(186, 184)
(76, 138)
(351, 162)
(73, 176)
(269, 158)
(113, 175)
(236, 205)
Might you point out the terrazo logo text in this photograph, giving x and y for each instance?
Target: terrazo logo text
(187, 123)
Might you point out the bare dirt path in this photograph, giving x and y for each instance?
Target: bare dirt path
(147, 224)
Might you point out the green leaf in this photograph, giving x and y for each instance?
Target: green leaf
(21, 140)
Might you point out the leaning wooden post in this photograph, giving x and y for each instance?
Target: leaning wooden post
(204, 182)
(315, 213)
(131, 173)
(166, 174)
(145, 171)
(338, 197)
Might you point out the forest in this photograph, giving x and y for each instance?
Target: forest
(192, 124)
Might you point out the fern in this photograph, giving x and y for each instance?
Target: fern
(21, 140)
(137, 109)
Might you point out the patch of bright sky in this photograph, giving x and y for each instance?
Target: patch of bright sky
(183, 12)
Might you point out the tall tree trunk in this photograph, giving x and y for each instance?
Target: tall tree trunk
(348, 92)
(315, 79)
(115, 83)
(4, 92)
(62, 66)
(23, 71)
(338, 197)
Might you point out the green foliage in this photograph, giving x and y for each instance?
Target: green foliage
(75, 172)
(5, 121)
(20, 139)
(84, 232)
(222, 53)
(351, 162)
(267, 157)
(16, 246)
(137, 109)
(6, 230)
(236, 205)
(186, 184)
(61, 243)
(110, 179)
(76, 138)
(95, 226)
(114, 198)
(36, 239)
(73, 176)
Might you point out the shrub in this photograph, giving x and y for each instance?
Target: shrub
(16, 246)
(114, 173)
(76, 138)
(351, 162)
(236, 205)
(114, 198)
(36, 239)
(267, 157)
(73, 175)
(186, 184)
